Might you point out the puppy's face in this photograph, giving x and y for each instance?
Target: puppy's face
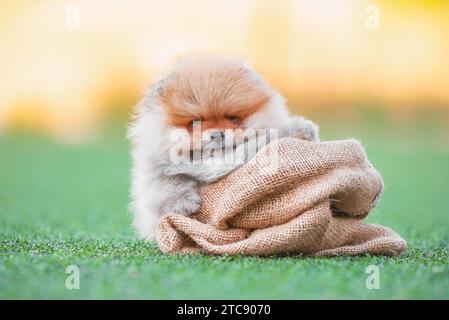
(211, 99)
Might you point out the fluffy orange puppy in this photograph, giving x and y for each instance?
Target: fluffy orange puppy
(201, 121)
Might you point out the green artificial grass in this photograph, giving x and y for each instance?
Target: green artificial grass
(64, 205)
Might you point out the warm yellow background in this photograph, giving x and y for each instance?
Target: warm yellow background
(64, 80)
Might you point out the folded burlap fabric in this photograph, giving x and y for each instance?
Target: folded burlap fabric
(294, 196)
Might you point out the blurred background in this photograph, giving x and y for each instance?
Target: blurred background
(65, 66)
(71, 71)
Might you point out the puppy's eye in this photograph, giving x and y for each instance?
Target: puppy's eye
(233, 118)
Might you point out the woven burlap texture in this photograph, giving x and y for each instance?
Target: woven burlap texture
(294, 196)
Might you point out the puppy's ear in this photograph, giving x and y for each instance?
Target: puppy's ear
(254, 77)
(244, 69)
(158, 87)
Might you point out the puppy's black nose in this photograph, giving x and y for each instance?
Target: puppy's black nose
(217, 136)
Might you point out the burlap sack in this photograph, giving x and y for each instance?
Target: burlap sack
(295, 196)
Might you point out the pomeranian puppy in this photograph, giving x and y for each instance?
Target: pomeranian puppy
(206, 109)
